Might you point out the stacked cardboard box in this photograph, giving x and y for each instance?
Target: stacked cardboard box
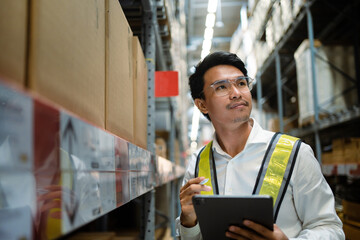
(119, 86)
(67, 55)
(351, 219)
(104, 236)
(274, 124)
(79, 55)
(140, 94)
(93, 235)
(13, 40)
(344, 150)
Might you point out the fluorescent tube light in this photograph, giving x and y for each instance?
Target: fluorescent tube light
(212, 6)
(210, 20)
(208, 34)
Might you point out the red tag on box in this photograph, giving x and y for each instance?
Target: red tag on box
(166, 83)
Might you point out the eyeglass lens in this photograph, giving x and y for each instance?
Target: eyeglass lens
(224, 87)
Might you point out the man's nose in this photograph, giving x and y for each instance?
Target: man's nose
(235, 91)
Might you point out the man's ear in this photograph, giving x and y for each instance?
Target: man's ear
(200, 103)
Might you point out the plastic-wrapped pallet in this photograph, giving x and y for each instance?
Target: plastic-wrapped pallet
(304, 81)
(260, 12)
(329, 82)
(270, 34)
(278, 26)
(261, 52)
(297, 5)
(286, 14)
(342, 57)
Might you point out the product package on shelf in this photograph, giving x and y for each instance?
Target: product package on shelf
(59, 172)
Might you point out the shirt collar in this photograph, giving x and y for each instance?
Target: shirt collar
(255, 136)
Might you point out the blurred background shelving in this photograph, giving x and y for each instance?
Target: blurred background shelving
(303, 55)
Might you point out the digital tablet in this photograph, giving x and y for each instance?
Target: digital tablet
(215, 213)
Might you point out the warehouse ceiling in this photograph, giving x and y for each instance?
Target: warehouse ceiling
(226, 23)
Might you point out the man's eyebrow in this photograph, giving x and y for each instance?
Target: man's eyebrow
(221, 81)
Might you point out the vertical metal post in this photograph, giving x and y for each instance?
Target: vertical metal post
(356, 51)
(279, 90)
(172, 159)
(148, 216)
(259, 97)
(150, 53)
(149, 21)
(313, 76)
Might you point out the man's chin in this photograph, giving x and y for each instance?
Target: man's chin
(241, 119)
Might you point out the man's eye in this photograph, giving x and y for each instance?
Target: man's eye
(242, 83)
(220, 87)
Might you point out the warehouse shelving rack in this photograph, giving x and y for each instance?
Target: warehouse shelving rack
(332, 22)
(119, 171)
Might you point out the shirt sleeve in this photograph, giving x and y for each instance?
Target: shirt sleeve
(314, 200)
(182, 232)
(185, 233)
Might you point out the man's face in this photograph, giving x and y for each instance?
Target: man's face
(232, 108)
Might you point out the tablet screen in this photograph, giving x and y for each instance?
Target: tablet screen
(216, 213)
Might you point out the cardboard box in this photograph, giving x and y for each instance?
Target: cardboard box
(351, 232)
(140, 82)
(13, 40)
(93, 236)
(326, 158)
(119, 85)
(274, 124)
(160, 147)
(345, 150)
(67, 55)
(351, 210)
(352, 150)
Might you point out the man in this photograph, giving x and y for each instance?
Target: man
(221, 90)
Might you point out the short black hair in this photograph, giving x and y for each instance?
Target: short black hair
(196, 80)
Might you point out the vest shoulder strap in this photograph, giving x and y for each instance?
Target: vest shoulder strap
(276, 169)
(205, 167)
(274, 174)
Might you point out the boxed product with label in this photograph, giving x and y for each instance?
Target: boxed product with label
(119, 85)
(67, 55)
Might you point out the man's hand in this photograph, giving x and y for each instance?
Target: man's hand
(192, 187)
(258, 232)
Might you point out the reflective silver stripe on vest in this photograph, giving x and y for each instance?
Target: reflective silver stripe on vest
(287, 173)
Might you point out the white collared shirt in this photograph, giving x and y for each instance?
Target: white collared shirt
(308, 208)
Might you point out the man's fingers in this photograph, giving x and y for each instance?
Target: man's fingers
(192, 181)
(194, 186)
(257, 228)
(236, 233)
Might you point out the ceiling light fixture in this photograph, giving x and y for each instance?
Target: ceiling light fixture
(212, 6)
(210, 20)
(209, 33)
(219, 22)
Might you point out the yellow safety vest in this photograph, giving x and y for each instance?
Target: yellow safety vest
(274, 174)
